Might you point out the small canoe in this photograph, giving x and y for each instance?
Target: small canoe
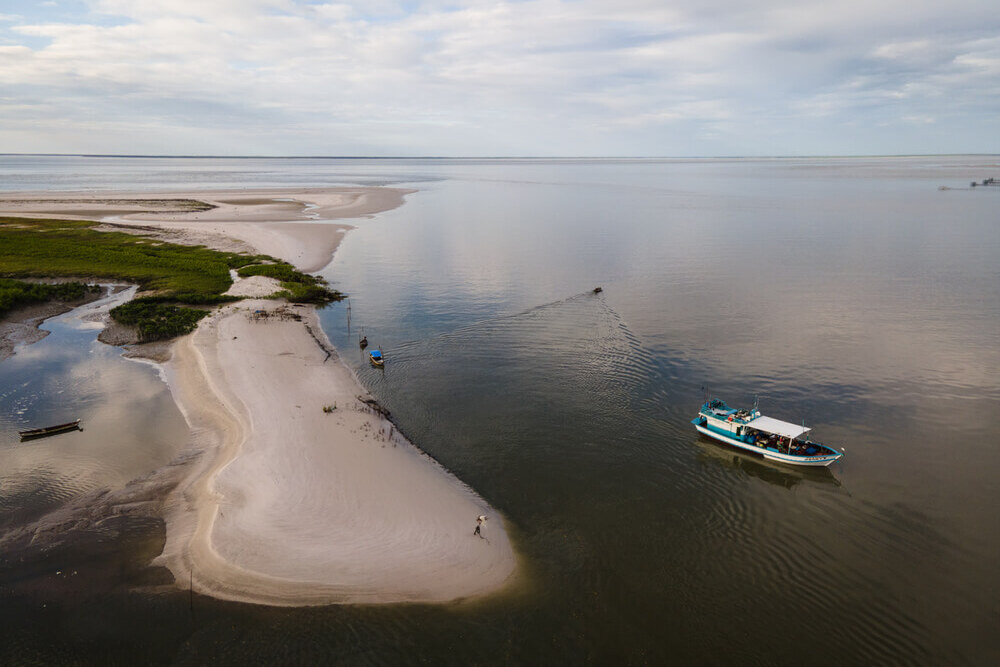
(49, 430)
(375, 356)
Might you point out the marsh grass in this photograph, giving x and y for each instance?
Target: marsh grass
(17, 293)
(296, 286)
(69, 248)
(171, 277)
(157, 320)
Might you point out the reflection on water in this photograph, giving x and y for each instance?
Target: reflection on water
(130, 424)
(713, 453)
(851, 294)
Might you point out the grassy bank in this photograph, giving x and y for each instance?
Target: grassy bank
(157, 321)
(296, 286)
(170, 277)
(16, 293)
(68, 248)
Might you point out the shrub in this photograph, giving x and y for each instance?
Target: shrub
(177, 275)
(299, 293)
(297, 287)
(16, 293)
(156, 320)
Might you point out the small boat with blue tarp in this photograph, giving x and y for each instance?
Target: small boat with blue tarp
(771, 438)
(375, 356)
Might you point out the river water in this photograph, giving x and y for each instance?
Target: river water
(853, 294)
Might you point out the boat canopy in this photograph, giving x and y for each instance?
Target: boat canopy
(778, 427)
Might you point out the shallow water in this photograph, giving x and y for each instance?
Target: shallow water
(130, 424)
(849, 293)
(856, 296)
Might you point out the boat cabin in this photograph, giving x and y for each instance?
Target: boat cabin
(773, 438)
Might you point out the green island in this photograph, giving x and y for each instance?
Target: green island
(177, 283)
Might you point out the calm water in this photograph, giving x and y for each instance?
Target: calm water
(130, 423)
(850, 293)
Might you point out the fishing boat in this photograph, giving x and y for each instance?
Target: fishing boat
(375, 356)
(32, 433)
(768, 437)
(363, 342)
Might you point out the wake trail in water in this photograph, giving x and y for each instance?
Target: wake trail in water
(579, 341)
(474, 326)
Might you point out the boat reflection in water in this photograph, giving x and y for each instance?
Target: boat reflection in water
(716, 453)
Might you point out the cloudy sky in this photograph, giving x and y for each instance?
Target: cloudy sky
(500, 77)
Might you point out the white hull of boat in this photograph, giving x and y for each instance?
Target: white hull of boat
(813, 461)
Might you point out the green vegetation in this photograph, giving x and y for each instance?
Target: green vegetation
(15, 293)
(279, 271)
(297, 287)
(44, 248)
(298, 293)
(171, 276)
(157, 321)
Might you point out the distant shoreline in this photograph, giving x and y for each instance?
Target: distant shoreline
(494, 157)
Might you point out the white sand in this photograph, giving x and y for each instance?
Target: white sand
(294, 506)
(253, 286)
(291, 224)
(289, 505)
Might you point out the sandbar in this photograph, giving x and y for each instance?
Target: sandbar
(294, 505)
(295, 490)
(293, 224)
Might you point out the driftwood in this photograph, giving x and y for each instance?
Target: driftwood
(329, 352)
(282, 313)
(374, 405)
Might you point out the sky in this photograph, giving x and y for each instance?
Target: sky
(643, 78)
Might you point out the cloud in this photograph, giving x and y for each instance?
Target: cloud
(528, 77)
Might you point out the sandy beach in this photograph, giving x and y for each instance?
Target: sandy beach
(291, 224)
(293, 505)
(283, 502)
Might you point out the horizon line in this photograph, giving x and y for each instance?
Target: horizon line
(494, 157)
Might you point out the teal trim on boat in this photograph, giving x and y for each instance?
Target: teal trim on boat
(749, 430)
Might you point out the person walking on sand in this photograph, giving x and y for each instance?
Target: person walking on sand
(480, 524)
